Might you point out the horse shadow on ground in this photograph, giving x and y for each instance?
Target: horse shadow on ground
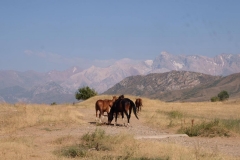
(105, 124)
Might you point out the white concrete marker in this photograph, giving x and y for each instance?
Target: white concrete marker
(161, 136)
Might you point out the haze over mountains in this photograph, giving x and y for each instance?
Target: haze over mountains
(60, 86)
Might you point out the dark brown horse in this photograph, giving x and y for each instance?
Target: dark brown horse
(123, 106)
(103, 106)
(139, 104)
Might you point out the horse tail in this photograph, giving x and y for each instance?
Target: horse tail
(134, 109)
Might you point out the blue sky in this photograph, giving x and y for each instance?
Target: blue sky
(44, 35)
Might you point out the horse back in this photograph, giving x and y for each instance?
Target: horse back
(99, 104)
(126, 105)
(102, 105)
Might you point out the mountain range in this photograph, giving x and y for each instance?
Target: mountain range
(178, 86)
(60, 86)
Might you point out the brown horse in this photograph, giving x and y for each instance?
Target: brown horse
(139, 104)
(103, 106)
(122, 105)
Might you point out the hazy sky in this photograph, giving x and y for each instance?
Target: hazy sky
(43, 35)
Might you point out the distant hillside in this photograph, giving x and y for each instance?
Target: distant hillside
(46, 93)
(34, 87)
(178, 86)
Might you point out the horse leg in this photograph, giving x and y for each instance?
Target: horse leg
(123, 120)
(96, 116)
(115, 118)
(127, 117)
(100, 116)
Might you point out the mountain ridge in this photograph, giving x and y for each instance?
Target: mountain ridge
(103, 78)
(178, 86)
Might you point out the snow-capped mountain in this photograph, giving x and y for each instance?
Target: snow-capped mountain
(223, 64)
(103, 78)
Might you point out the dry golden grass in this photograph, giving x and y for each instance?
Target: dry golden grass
(16, 116)
(174, 151)
(155, 112)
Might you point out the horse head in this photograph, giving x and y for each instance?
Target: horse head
(121, 97)
(110, 117)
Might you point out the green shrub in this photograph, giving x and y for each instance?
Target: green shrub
(214, 99)
(85, 93)
(73, 151)
(96, 140)
(54, 103)
(90, 141)
(206, 129)
(223, 95)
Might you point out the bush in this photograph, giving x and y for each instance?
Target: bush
(54, 103)
(214, 99)
(223, 95)
(90, 141)
(95, 139)
(85, 93)
(73, 151)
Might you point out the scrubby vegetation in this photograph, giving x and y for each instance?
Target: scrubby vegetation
(53, 103)
(206, 129)
(214, 128)
(222, 96)
(214, 99)
(121, 147)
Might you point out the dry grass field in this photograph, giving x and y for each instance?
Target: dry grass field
(66, 131)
